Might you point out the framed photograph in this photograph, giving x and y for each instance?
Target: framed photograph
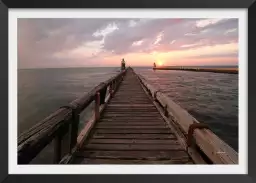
(139, 88)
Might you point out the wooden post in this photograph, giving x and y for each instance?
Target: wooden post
(74, 129)
(97, 106)
(111, 91)
(103, 95)
(57, 149)
(166, 111)
(114, 85)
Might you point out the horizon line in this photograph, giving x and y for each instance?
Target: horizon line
(235, 65)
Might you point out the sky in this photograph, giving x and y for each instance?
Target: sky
(87, 42)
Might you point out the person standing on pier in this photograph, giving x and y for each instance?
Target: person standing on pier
(154, 66)
(123, 65)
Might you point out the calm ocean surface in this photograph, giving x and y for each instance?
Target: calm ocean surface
(211, 98)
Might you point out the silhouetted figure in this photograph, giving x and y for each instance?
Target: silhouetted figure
(154, 66)
(123, 65)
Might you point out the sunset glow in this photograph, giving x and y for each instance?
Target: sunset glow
(160, 63)
(141, 42)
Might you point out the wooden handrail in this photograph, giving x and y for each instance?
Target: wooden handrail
(210, 144)
(62, 121)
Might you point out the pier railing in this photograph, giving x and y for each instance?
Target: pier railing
(197, 135)
(65, 121)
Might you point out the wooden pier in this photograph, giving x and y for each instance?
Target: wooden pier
(132, 124)
(196, 69)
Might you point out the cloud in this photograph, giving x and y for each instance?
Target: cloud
(208, 22)
(39, 40)
(230, 31)
(137, 43)
(83, 42)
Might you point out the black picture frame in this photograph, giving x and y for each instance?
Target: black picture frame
(4, 174)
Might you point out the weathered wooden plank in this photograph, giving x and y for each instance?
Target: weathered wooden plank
(134, 136)
(232, 154)
(133, 155)
(132, 101)
(141, 115)
(134, 147)
(133, 131)
(49, 121)
(129, 123)
(129, 127)
(118, 161)
(140, 99)
(133, 110)
(144, 110)
(217, 150)
(133, 141)
(136, 113)
(136, 97)
(134, 118)
(28, 150)
(139, 95)
(130, 105)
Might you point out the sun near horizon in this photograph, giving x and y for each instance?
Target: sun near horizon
(159, 63)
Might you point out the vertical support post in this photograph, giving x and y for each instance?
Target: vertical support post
(114, 85)
(166, 111)
(154, 96)
(118, 81)
(97, 106)
(111, 90)
(103, 95)
(57, 148)
(74, 129)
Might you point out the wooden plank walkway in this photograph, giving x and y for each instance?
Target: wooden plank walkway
(131, 131)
